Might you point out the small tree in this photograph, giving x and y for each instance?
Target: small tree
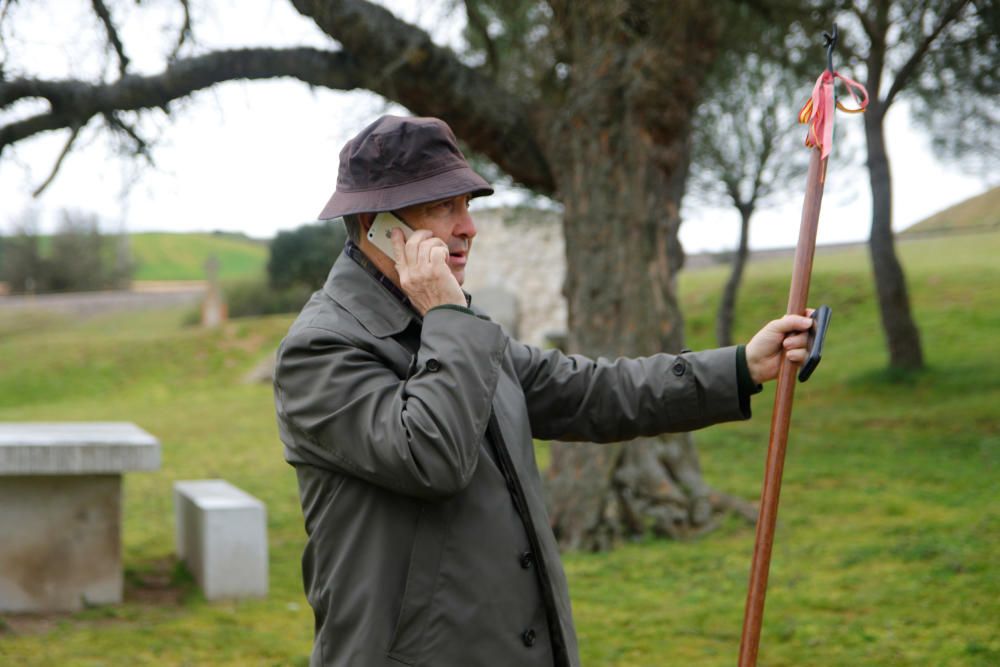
(23, 268)
(303, 255)
(747, 152)
(79, 257)
(75, 260)
(944, 56)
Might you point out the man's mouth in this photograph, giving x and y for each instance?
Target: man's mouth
(458, 254)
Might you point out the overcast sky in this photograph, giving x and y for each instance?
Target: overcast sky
(261, 157)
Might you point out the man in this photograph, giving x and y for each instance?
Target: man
(409, 420)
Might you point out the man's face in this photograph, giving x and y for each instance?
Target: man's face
(450, 221)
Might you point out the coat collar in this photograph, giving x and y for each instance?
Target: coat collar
(378, 310)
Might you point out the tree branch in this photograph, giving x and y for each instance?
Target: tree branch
(102, 13)
(947, 17)
(401, 62)
(116, 123)
(185, 31)
(75, 102)
(55, 169)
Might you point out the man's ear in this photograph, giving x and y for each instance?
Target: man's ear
(366, 220)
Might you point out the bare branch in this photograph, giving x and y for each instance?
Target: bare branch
(906, 72)
(74, 102)
(13, 132)
(102, 13)
(401, 62)
(55, 169)
(118, 124)
(394, 59)
(184, 33)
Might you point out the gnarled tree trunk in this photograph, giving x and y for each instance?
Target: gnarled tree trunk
(619, 152)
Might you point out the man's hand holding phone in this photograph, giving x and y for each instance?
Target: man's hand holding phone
(424, 275)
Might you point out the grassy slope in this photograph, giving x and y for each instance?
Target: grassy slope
(981, 212)
(887, 537)
(165, 256)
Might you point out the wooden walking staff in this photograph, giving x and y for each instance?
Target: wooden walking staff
(818, 112)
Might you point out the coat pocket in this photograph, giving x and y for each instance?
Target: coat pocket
(410, 634)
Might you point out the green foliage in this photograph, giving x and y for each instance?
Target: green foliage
(747, 142)
(22, 260)
(303, 256)
(252, 298)
(886, 541)
(944, 57)
(956, 91)
(78, 257)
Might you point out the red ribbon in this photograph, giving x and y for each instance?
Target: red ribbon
(818, 110)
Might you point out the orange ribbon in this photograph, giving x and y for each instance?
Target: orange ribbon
(818, 110)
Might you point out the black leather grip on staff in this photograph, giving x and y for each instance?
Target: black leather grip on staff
(816, 337)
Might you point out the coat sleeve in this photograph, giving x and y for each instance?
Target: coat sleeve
(342, 406)
(576, 398)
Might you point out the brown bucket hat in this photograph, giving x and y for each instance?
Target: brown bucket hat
(397, 162)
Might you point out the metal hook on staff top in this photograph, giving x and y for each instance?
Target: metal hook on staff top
(830, 42)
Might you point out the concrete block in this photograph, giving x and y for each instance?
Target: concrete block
(60, 511)
(222, 537)
(61, 546)
(76, 448)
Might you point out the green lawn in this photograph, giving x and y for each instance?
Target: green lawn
(164, 256)
(888, 535)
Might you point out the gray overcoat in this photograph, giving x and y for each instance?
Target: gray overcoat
(428, 538)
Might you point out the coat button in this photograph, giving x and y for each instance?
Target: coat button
(526, 559)
(528, 637)
(678, 368)
(433, 365)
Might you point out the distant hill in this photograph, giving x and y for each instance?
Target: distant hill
(167, 256)
(978, 213)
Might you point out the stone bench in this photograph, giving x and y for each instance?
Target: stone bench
(222, 537)
(60, 511)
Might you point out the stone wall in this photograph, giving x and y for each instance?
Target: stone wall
(521, 252)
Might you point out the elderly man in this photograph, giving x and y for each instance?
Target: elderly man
(409, 419)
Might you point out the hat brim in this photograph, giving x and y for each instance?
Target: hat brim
(443, 185)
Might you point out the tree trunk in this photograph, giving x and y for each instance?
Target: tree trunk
(621, 218)
(901, 332)
(724, 318)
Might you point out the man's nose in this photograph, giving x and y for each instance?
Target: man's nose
(466, 227)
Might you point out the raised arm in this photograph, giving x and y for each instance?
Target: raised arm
(576, 398)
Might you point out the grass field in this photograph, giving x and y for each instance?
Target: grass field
(886, 550)
(164, 256)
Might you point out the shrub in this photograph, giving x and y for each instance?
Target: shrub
(79, 256)
(303, 256)
(250, 298)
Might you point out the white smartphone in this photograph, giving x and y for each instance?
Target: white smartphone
(380, 233)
